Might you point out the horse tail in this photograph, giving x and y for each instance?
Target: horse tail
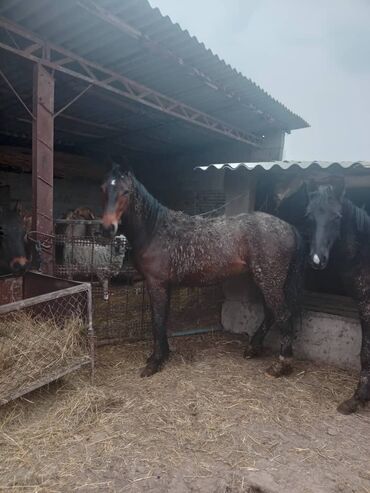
(294, 285)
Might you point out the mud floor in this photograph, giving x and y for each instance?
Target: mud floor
(209, 422)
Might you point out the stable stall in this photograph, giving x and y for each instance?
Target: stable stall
(330, 330)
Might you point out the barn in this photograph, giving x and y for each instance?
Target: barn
(83, 83)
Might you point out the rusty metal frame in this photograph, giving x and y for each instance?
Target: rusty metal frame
(43, 155)
(57, 58)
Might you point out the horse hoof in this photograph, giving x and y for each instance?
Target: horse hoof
(279, 369)
(150, 358)
(150, 369)
(252, 351)
(349, 407)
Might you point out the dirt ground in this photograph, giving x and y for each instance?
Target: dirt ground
(209, 422)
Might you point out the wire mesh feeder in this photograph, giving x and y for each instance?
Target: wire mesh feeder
(82, 253)
(46, 331)
(121, 309)
(127, 314)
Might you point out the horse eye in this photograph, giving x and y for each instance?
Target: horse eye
(125, 192)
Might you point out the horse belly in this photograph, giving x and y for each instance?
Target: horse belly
(206, 273)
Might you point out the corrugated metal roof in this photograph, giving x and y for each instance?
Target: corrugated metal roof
(239, 102)
(286, 165)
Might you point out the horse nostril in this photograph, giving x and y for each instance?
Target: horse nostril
(108, 231)
(19, 264)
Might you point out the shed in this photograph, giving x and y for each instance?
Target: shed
(83, 82)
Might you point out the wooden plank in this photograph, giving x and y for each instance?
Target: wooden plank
(28, 302)
(65, 165)
(342, 306)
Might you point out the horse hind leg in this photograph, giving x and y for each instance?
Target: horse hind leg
(276, 303)
(255, 345)
(286, 302)
(283, 367)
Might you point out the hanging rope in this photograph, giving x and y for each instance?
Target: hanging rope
(72, 101)
(222, 206)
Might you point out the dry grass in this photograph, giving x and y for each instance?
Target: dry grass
(30, 347)
(210, 421)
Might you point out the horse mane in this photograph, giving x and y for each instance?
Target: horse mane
(358, 215)
(155, 211)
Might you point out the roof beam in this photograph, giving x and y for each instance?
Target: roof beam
(154, 47)
(57, 58)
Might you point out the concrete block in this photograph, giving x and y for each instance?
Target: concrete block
(323, 338)
(241, 317)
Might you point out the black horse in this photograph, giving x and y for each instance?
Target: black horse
(171, 248)
(13, 257)
(339, 228)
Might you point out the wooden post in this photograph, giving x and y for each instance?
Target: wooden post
(43, 157)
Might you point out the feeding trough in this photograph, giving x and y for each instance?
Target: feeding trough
(46, 332)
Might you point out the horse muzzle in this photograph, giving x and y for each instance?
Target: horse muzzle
(18, 265)
(318, 262)
(109, 228)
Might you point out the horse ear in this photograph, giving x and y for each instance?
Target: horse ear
(131, 170)
(311, 187)
(127, 169)
(338, 186)
(18, 207)
(116, 169)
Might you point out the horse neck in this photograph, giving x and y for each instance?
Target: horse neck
(355, 222)
(141, 220)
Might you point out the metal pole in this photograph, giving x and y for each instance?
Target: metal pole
(43, 158)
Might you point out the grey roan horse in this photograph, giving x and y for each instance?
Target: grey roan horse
(171, 248)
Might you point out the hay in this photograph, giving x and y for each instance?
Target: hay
(32, 346)
(210, 421)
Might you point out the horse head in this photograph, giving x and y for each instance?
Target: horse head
(324, 213)
(117, 190)
(13, 257)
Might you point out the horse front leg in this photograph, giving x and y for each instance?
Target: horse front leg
(281, 317)
(362, 392)
(159, 297)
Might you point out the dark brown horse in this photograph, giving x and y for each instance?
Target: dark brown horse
(13, 254)
(341, 231)
(171, 248)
